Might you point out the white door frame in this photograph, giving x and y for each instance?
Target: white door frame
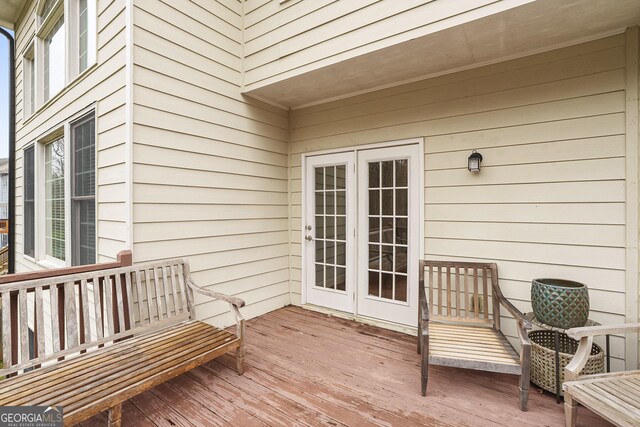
(334, 298)
(305, 206)
(405, 313)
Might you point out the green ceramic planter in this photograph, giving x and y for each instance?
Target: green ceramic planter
(560, 303)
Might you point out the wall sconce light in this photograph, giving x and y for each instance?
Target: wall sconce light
(474, 161)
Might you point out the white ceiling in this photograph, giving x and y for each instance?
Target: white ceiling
(534, 27)
(9, 11)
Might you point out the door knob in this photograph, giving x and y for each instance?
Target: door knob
(309, 238)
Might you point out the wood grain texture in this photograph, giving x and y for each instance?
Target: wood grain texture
(294, 377)
(86, 376)
(472, 338)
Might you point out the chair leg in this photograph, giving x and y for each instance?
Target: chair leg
(425, 364)
(570, 411)
(525, 376)
(115, 416)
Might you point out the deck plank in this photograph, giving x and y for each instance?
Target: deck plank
(306, 368)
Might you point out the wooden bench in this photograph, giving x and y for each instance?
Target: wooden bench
(122, 331)
(614, 396)
(459, 322)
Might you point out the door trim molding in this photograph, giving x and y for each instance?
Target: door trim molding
(420, 141)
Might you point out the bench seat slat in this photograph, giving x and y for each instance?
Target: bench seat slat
(133, 356)
(71, 367)
(144, 369)
(134, 362)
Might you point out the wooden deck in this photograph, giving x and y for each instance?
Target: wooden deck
(305, 368)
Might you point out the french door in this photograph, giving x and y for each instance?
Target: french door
(362, 232)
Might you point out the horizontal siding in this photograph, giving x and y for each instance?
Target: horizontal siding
(550, 199)
(210, 170)
(103, 85)
(286, 39)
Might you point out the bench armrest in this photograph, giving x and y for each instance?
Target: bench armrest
(237, 302)
(585, 335)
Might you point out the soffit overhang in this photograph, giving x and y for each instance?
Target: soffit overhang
(535, 27)
(10, 12)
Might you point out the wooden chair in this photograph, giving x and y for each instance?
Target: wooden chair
(459, 322)
(614, 396)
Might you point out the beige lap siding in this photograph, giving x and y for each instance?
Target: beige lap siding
(210, 166)
(550, 199)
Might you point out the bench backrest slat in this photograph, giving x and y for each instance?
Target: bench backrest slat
(57, 317)
(460, 291)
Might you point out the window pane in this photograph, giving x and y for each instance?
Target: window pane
(48, 5)
(86, 211)
(84, 188)
(54, 199)
(54, 60)
(84, 158)
(29, 207)
(83, 35)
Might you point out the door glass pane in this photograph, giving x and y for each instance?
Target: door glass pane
(374, 175)
(341, 202)
(387, 174)
(388, 216)
(401, 173)
(387, 286)
(374, 202)
(329, 177)
(330, 226)
(374, 283)
(341, 228)
(341, 181)
(387, 202)
(341, 278)
(319, 179)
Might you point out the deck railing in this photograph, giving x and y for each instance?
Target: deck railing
(124, 259)
(4, 260)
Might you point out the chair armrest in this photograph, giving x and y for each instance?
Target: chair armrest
(585, 335)
(237, 302)
(512, 309)
(424, 306)
(593, 331)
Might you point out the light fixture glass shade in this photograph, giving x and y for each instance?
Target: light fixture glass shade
(474, 161)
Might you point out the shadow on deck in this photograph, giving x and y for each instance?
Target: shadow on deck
(305, 368)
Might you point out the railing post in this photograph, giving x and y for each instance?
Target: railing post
(125, 258)
(14, 327)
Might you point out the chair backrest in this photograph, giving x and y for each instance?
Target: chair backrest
(460, 291)
(60, 316)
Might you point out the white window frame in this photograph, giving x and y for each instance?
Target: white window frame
(63, 130)
(29, 80)
(68, 10)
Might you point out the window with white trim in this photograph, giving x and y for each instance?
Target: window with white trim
(29, 219)
(65, 43)
(83, 190)
(54, 201)
(29, 81)
(59, 195)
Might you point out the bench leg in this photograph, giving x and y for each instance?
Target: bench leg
(241, 350)
(424, 364)
(115, 416)
(570, 410)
